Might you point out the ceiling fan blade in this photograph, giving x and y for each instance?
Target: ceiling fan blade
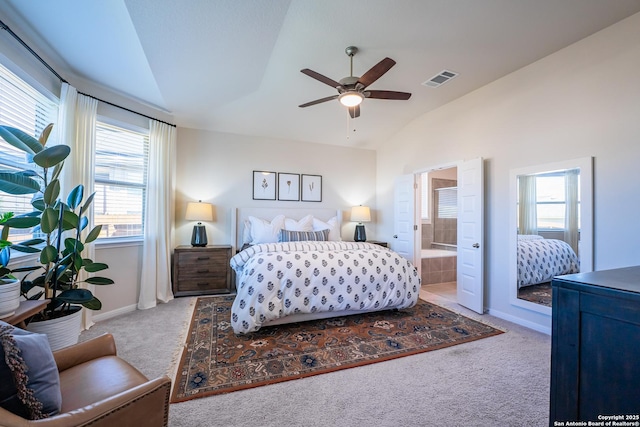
(387, 94)
(376, 71)
(319, 101)
(324, 79)
(354, 112)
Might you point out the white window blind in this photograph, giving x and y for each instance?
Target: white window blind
(24, 108)
(120, 180)
(447, 202)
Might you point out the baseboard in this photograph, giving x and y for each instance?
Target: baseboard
(518, 321)
(114, 313)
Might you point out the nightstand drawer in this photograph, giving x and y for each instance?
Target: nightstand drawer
(204, 285)
(202, 270)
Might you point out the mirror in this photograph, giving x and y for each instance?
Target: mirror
(551, 228)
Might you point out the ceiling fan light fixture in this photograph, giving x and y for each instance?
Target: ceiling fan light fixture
(350, 98)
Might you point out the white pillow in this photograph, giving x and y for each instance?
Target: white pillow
(264, 231)
(332, 225)
(305, 224)
(529, 237)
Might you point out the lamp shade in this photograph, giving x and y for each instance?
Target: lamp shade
(360, 214)
(199, 211)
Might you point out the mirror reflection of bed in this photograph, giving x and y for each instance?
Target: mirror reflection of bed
(439, 232)
(553, 222)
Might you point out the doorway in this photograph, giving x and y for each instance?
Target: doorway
(438, 229)
(470, 227)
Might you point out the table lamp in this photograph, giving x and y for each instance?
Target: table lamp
(360, 214)
(198, 211)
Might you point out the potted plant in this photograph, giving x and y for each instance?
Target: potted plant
(62, 224)
(9, 284)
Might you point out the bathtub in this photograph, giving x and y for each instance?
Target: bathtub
(437, 253)
(438, 266)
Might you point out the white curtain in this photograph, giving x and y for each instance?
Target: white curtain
(77, 129)
(159, 217)
(571, 217)
(527, 208)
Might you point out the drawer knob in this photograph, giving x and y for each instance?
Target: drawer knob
(203, 284)
(202, 258)
(203, 271)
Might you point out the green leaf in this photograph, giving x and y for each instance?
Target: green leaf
(75, 197)
(100, 281)
(49, 220)
(84, 221)
(5, 256)
(76, 296)
(4, 272)
(23, 222)
(20, 247)
(96, 266)
(30, 268)
(52, 192)
(69, 220)
(94, 304)
(4, 236)
(56, 171)
(73, 246)
(44, 136)
(93, 234)
(88, 202)
(38, 202)
(32, 242)
(48, 254)
(16, 183)
(51, 156)
(20, 139)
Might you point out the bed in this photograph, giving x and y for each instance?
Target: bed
(311, 273)
(540, 259)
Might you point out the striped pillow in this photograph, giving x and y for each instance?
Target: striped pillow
(301, 236)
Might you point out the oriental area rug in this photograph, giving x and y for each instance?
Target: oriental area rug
(215, 360)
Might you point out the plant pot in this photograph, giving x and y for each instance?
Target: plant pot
(9, 298)
(61, 331)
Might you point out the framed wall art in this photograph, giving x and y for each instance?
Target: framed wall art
(311, 188)
(264, 185)
(288, 186)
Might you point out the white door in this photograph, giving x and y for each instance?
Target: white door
(404, 223)
(470, 235)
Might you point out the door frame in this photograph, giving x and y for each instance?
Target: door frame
(418, 243)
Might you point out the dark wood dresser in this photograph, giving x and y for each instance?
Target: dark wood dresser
(595, 346)
(202, 270)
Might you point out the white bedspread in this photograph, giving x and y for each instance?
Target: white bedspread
(280, 279)
(540, 260)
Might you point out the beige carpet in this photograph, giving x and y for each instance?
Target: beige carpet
(501, 381)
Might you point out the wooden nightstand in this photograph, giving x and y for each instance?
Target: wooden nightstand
(377, 242)
(202, 270)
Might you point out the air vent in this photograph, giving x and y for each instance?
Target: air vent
(440, 78)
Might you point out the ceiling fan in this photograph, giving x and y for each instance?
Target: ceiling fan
(351, 90)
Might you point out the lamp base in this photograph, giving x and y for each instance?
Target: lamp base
(199, 236)
(360, 235)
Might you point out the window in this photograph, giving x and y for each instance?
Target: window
(551, 201)
(25, 108)
(120, 180)
(446, 199)
(425, 195)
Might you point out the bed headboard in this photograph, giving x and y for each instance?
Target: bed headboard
(241, 214)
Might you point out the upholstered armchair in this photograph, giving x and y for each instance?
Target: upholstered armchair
(100, 389)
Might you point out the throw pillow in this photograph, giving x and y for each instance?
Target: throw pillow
(305, 224)
(264, 231)
(331, 225)
(303, 236)
(30, 385)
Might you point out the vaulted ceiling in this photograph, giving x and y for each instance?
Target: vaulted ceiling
(234, 65)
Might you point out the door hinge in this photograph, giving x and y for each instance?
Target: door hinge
(415, 228)
(415, 185)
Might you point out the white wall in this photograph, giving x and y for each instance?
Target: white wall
(581, 101)
(218, 168)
